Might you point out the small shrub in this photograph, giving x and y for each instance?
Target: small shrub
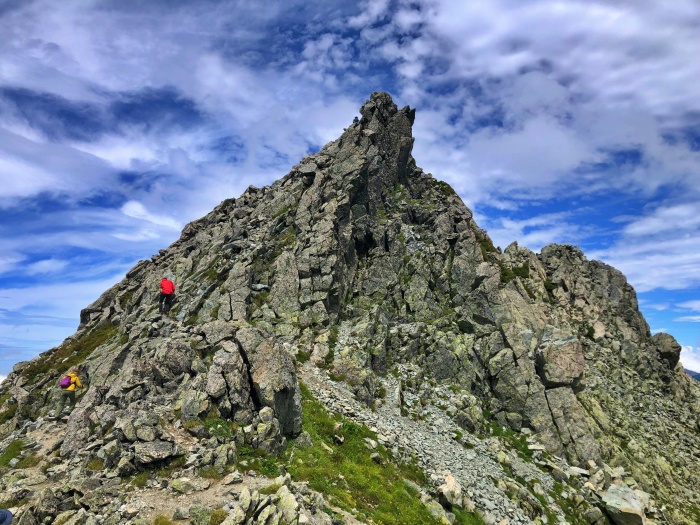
(162, 520)
(270, 489)
(269, 467)
(507, 274)
(218, 517)
(549, 285)
(590, 332)
(261, 298)
(522, 271)
(166, 471)
(141, 479)
(210, 473)
(96, 464)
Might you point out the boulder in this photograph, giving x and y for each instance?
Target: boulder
(623, 506)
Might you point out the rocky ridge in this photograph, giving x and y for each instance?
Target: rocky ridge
(527, 385)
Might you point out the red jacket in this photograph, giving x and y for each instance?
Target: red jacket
(166, 286)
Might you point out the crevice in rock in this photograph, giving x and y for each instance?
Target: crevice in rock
(253, 392)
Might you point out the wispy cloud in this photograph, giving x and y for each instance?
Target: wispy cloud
(690, 305)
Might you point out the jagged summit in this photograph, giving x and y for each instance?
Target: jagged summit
(376, 272)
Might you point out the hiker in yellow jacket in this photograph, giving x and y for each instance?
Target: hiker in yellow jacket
(68, 385)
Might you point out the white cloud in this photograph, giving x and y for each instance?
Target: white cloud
(656, 306)
(665, 219)
(690, 358)
(59, 300)
(371, 11)
(138, 211)
(690, 305)
(688, 319)
(10, 261)
(46, 266)
(2, 378)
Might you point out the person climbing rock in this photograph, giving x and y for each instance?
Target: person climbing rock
(68, 384)
(167, 293)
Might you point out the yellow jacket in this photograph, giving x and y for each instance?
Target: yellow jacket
(74, 382)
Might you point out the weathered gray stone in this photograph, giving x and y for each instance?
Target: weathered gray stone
(154, 451)
(623, 506)
(274, 379)
(560, 360)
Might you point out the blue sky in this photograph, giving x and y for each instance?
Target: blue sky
(121, 121)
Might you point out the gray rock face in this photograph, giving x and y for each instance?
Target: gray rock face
(560, 361)
(363, 262)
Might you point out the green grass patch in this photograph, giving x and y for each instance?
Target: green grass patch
(141, 479)
(549, 285)
(261, 298)
(209, 472)
(8, 414)
(32, 460)
(125, 299)
(694, 512)
(351, 479)
(516, 440)
(220, 427)
(9, 503)
(167, 470)
(70, 354)
(486, 245)
(12, 451)
(270, 489)
(332, 341)
(445, 189)
(284, 240)
(282, 211)
(462, 517)
(162, 520)
(508, 274)
(258, 460)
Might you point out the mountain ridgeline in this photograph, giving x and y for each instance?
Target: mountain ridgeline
(360, 266)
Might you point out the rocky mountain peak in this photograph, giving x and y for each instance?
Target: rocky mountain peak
(360, 271)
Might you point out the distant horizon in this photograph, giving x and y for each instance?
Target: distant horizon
(568, 122)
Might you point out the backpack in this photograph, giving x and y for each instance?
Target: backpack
(65, 382)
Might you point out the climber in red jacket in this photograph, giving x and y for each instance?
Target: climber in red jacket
(167, 292)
